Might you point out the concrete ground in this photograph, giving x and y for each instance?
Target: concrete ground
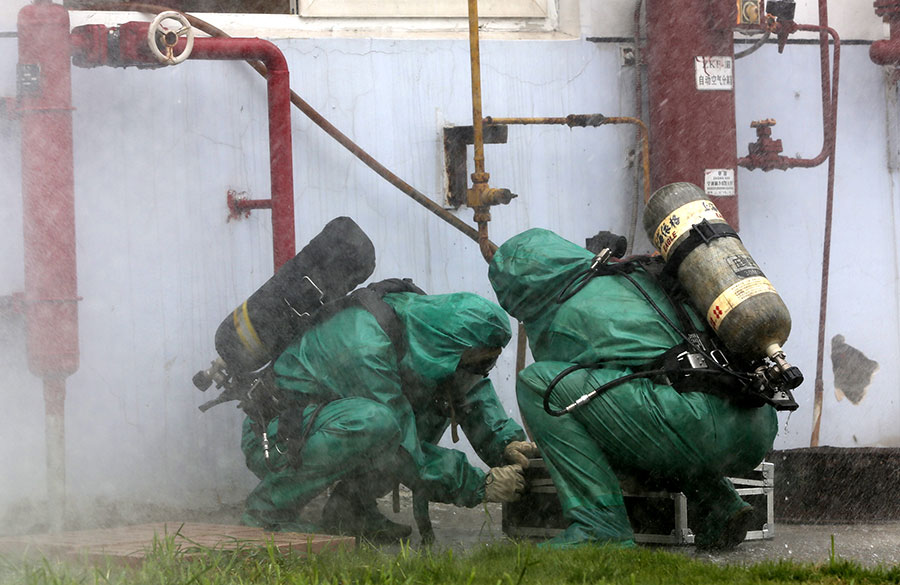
(869, 544)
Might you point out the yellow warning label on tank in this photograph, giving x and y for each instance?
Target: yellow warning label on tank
(734, 295)
(682, 220)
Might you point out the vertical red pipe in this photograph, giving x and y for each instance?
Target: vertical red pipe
(280, 149)
(45, 104)
(693, 130)
(281, 163)
(132, 50)
(819, 388)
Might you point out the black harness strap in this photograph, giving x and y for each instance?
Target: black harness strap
(695, 339)
(294, 433)
(702, 232)
(696, 356)
(291, 426)
(371, 299)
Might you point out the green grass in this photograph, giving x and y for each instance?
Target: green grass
(495, 564)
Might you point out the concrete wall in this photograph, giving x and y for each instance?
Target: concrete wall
(159, 266)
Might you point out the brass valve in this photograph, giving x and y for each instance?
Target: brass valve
(481, 195)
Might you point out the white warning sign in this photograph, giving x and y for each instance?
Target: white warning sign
(719, 182)
(714, 73)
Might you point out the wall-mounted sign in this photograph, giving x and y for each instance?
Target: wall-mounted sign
(712, 73)
(719, 182)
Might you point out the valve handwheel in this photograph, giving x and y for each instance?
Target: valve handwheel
(169, 38)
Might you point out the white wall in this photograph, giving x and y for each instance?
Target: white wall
(159, 267)
(783, 214)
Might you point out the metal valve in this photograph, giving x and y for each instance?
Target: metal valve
(215, 374)
(157, 34)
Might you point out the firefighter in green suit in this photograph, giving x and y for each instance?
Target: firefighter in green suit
(688, 441)
(370, 421)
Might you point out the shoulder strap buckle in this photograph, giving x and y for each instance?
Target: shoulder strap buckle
(718, 356)
(687, 360)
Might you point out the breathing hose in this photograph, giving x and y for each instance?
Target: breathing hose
(585, 398)
(598, 264)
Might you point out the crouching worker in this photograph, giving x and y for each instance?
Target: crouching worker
(365, 414)
(690, 439)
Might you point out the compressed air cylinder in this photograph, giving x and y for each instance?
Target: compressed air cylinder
(332, 264)
(720, 277)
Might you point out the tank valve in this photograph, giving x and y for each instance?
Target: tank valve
(216, 373)
(789, 376)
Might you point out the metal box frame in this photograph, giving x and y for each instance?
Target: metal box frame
(657, 517)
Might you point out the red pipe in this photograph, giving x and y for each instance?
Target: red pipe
(133, 50)
(819, 387)
(693, 130)
(48, 189)
(887, 52)
(240, 206)
(829, 95)
(768, 159)
(48, 194)
(280, 149)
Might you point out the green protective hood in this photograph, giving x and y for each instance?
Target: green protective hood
(439, 328)
(530, 270)
(607, 320)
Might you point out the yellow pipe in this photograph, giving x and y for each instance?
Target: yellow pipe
(512, 121)
(478, 194)
(475, 61)
(582, 120)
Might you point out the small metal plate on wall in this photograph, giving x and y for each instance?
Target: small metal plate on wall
(456, 138)
(28, 79)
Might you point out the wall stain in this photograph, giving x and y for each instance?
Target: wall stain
(852, 370)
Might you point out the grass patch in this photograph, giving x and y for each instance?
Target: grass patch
(494, 564)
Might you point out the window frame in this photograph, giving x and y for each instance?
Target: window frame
(520, 9)
(555, 20)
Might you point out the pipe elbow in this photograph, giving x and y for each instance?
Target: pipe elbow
(272, 56)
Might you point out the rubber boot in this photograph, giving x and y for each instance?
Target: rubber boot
(728, 534)
(591, 526)
(277, 521)
(352, 513)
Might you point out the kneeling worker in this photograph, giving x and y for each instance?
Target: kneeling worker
(365, 414)
(603, 329)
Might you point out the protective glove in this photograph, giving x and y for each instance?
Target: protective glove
(520, 452)
(504, 484)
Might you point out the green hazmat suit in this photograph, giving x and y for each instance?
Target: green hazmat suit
(689, 441)
(381, 420)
